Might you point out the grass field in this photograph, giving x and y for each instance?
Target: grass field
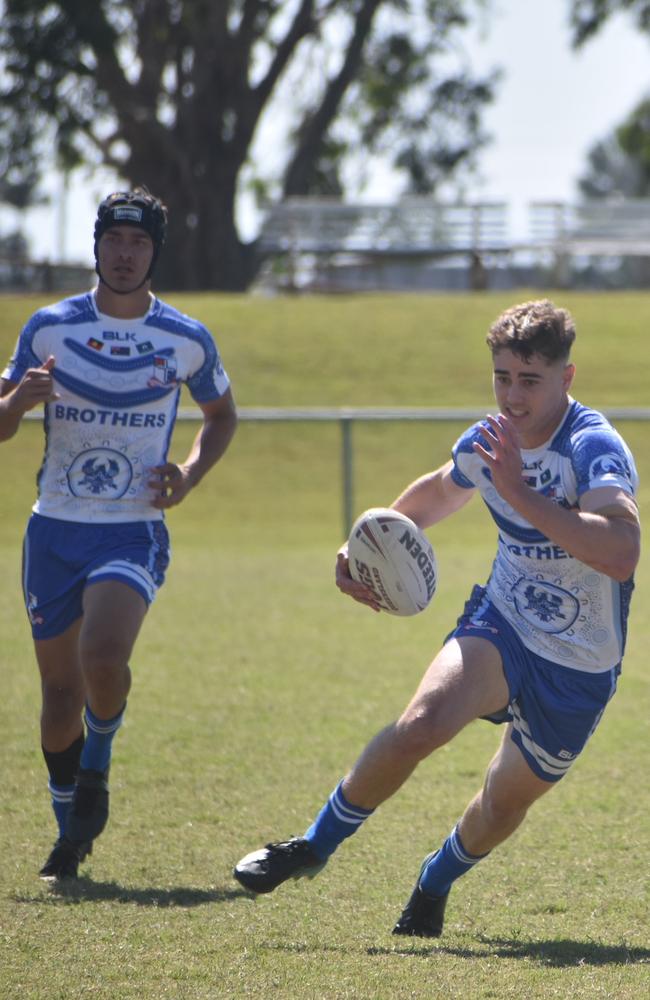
(256, 684)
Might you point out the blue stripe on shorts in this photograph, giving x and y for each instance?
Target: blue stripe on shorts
(61, 558)
(553, 709)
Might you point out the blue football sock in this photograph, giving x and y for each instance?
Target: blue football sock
(62, 766)
(96, 754)
(336, 821)
(451, 861)
(61, 799)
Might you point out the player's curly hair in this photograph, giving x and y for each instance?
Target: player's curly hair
(538, 327)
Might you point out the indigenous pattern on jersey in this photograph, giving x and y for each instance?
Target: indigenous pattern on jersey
(563, 609)
(119, 383)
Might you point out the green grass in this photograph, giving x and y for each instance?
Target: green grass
(256, 685)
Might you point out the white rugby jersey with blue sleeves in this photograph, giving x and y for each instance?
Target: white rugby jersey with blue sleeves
(561, 608)
(119, 384)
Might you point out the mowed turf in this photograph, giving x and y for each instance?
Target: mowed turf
(256, 684)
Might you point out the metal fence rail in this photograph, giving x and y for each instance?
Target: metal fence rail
(346, 416)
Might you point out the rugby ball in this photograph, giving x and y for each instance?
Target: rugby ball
(391, 555)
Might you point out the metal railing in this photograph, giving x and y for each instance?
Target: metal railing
(347, 416)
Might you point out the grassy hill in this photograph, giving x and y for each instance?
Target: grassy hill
(398, 350)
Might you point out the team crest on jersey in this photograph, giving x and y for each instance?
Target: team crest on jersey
(609, 467)
(144, 348)
(100, 472)
(164, 371)
(545, 606)
(95, 344)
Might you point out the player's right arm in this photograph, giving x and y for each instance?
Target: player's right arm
(16, 398)
(432, 497)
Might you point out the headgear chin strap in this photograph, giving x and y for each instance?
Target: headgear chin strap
(132, 208)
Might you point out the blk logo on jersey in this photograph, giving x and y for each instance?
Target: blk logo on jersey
(117, 335)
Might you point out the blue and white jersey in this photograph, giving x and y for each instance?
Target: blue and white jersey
(562, 609)
(119, 383)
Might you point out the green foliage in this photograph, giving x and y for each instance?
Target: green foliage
(619, 164)
(256, 684)
(431, 124)
(634, 137)
(589, 16)
(611, 171)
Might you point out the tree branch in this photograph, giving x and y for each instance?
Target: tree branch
(315, 126)
(302, 25)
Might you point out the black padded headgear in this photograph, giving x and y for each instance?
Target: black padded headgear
(133, 208)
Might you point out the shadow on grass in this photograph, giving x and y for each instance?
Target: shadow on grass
(85, 890)
(554, 954)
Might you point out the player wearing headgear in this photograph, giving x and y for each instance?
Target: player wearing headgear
(139, 209)
(107, 366)
(538, 649)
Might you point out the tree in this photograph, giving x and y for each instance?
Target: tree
(173, 93)
(18, 163)
(589, 16)
(619, 164)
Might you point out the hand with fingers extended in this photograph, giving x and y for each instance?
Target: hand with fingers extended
(36, 386)
(171, 484)
(502, 455)
(351, 587)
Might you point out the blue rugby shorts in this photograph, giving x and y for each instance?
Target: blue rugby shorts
(553, 709)
(62, 558)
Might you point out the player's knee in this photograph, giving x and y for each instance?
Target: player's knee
(62, 704)
(419, 733)
(103, 659)
(62, 697)
(503, 807)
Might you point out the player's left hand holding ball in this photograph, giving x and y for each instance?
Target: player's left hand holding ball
(348, 585)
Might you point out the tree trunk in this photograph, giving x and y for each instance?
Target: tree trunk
(203, 249)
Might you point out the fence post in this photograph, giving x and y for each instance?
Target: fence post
(347, 474)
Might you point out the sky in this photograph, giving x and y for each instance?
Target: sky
(552, 105)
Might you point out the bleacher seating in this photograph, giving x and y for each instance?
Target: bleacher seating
(598, 228)
(418, 243)
(411, 227)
